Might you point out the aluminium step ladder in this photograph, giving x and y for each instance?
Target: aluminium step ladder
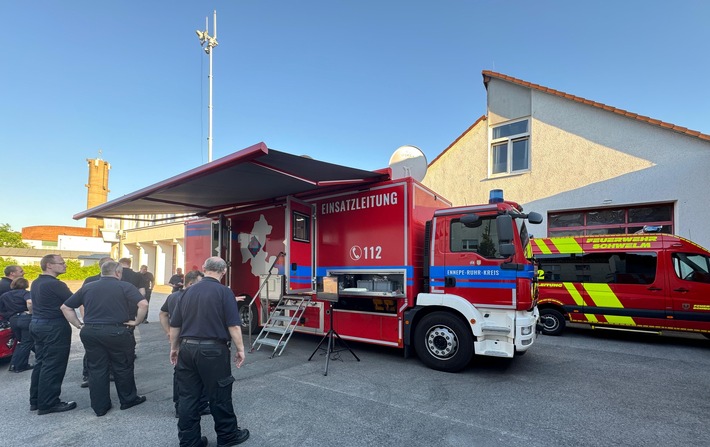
(282, 321)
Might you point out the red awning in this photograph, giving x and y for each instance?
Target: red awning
(250, 176)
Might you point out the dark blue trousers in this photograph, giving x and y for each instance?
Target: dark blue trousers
(20, 325)
(205, 366)
(109, 347)
(52, 340)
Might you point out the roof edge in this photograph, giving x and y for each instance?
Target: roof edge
(487, 75)
(482, 118)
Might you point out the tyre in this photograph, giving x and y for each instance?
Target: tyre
(443, 342)
(553, 322)
(250, 320)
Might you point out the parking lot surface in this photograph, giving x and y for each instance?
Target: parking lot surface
(584, 388)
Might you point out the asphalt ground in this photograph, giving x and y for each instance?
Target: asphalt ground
(585, 388)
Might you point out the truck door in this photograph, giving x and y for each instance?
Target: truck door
(689, 279)
(299, 249)
(222, 244)
(473, 264)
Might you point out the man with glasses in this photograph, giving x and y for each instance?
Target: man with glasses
(12, 272)
(52, 336)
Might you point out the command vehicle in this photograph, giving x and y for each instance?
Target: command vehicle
(409, 270)
(648, 282)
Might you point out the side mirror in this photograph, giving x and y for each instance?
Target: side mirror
(534, 218)
(471, 220)
(504, 224)
(506, 250)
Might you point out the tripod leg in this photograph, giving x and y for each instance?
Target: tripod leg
(329, 351)
(318, 347)
(346, 346)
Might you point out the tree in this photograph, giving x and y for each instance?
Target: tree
(9, 238)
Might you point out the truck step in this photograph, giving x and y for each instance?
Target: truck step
(494, 328)
(276, 329)
(288, 307)
(269, 342)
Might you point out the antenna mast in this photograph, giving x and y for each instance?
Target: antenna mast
(211, 42)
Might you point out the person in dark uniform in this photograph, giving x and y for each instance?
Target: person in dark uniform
(52, 337)
(177, 280)
(204, 321)
(106, 336)
(168, 308)
(148, 281)
(16, 307)
(132, 277)
(90, 279)
(12, 272)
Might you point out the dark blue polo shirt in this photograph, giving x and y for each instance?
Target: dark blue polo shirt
(48, 294)
(14, 302)
(5, 283)
(91, 279)
(171, 301)
(106, 301)
(205, 311)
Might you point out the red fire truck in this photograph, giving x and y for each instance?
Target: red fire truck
(410, 271)
(639, 282)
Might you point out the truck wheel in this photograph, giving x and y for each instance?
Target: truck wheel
(443, 342)
(250, 320)
(553, 322)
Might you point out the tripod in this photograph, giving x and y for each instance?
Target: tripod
(331, 343)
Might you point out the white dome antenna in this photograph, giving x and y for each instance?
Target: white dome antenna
(408, 161)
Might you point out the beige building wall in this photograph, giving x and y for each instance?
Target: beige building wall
(160, 247)
(560, 160)
(582, 155)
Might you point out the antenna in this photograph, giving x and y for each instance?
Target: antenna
(211, 42)
(408, 161)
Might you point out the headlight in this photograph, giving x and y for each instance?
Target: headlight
(526, 330)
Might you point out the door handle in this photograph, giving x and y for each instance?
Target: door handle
(654, 289)
(449, 281)
(682, 289)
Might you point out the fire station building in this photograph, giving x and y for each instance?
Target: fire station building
(587, 167)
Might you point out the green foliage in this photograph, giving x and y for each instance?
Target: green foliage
(74, 270)
(9, 238)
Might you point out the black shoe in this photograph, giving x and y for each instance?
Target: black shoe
(139, 400)
(204, 442)
(33, 407)
(26, 368)
(103, 413)
(61, 406)
(242, 436)
(84, 382)
(146, 321)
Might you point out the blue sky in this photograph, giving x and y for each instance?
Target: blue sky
(343, 81)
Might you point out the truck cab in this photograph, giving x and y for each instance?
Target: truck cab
(480, 284)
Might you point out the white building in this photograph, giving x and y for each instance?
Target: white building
(589, 168)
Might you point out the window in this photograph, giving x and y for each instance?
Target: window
(692, 267)
(482, 239)
(301, 227)
(628, 220)
(608, 268)
(510, 148)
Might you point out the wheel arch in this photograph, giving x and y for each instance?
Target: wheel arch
(430, 303)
